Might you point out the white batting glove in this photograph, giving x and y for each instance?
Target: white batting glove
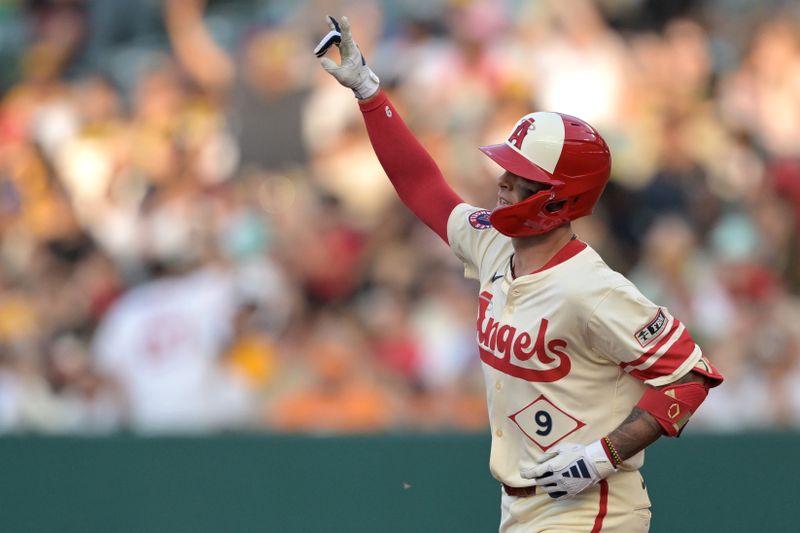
(569, 469)
(353, 72)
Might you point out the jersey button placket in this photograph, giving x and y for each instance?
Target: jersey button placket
(509, 307)
(512, 297)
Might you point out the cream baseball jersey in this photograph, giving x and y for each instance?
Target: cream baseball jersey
(566, 351)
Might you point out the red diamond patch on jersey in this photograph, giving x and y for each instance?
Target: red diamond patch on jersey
(544, 423)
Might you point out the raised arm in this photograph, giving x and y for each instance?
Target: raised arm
(416, 178)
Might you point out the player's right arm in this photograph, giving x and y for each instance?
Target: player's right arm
(414, 174)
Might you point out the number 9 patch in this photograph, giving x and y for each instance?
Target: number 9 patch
(544, 423)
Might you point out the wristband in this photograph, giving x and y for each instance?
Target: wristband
(611, 451)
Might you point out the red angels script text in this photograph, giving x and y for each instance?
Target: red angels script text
(497, 342)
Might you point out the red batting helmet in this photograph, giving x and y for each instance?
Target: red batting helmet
(558, 150)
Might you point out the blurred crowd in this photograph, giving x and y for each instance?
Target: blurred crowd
(196, 236)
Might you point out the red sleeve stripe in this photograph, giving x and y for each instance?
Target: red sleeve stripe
(665, 366)
(659, 348)
(680, 349)
(668, 362)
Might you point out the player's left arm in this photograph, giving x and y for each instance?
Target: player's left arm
(663, 410)
(647, 420)
(651, 345)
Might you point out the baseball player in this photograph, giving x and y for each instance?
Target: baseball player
(582, 372)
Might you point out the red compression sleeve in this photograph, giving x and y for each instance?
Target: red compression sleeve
(412, 171)
(674, 404)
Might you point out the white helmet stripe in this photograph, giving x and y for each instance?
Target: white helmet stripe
(542, 141)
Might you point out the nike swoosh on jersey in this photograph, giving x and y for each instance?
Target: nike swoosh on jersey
(496, 277)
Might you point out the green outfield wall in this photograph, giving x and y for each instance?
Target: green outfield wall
(397, 483)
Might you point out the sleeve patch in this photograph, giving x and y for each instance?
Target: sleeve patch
(480, 219)
(653, 329)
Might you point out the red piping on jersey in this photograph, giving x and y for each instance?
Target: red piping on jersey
(601, 513)
(413, 172)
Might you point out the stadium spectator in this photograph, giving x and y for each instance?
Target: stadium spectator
(200, 135)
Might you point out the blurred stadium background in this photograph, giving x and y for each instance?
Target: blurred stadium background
(196, 237)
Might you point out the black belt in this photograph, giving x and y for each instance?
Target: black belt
(519, 492)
